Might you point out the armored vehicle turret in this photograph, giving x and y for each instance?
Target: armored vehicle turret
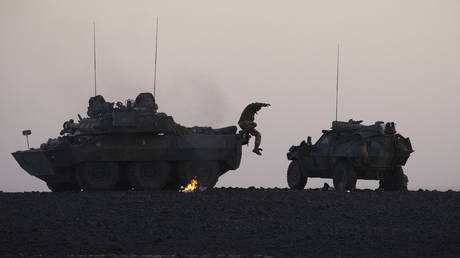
(131, 146)
(351, 151)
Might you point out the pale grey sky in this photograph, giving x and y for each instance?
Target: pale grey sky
(399, 62)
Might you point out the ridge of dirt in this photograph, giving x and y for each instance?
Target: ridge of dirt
(276, 222)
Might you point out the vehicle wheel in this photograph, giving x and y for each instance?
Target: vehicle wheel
(149, 175)
(344, 177)
(123, 185)
(405, 182)
(394, 180)
(173, 186)
(63, 187)
(205, 172)
(295, 178)
(98, 176)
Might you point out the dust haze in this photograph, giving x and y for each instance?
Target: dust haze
(399, 62)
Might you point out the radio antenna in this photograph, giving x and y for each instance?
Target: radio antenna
(155, 62)
(337, 85)
(94, 58)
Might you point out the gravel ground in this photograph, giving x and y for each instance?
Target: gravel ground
(275, 222)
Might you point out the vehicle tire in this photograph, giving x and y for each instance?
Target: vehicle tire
(405, 182)
(123, 185)
(205, 172)
(63, 187)
(98, 176)
(149, 175)
(295, 179)
(344, 177)
(173, 185)
(394, 180)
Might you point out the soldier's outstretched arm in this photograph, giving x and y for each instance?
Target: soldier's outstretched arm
(259, 104)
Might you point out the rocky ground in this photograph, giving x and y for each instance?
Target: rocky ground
(276, 222)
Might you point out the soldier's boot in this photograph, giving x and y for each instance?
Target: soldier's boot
(257, 151)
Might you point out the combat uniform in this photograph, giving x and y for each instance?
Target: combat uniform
(247, 123)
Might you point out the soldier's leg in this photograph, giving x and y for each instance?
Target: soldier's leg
(257, 142)
(258, 139)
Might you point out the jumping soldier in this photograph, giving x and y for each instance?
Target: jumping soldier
(248, 125)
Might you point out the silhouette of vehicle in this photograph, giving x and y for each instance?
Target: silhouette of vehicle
(132, 146)
(351, 151)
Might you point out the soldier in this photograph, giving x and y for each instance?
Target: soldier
(248, 125)
(390, 128)
(145, 102)
(98, 107)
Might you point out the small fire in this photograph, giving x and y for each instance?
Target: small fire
(192, 187)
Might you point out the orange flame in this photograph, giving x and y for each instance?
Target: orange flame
(192, 187)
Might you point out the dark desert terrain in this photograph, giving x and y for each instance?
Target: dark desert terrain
(231, 221)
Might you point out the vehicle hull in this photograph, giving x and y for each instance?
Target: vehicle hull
(59, 164)
(349, 152)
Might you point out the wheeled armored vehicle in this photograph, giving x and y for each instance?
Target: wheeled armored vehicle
(351, 151)
(132, 146)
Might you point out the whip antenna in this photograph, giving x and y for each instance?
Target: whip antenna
(94, 58)
(155, 62)
(337, 85)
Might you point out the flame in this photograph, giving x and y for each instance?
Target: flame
(192, 187)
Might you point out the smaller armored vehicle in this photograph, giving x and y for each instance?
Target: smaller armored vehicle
(351, 151)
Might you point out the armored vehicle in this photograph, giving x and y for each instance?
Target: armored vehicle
(131, 146)
(351, 151)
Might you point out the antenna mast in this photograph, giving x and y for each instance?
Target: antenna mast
(94, 58)
(155, 68)
(337, 84)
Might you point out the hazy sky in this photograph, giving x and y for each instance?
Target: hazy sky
(400, 61)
